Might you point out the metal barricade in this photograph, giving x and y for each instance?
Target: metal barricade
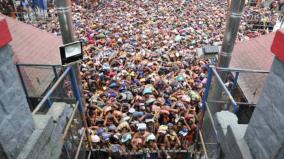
(142, 154)
(213, 146)
(75, 137)
(37, 79)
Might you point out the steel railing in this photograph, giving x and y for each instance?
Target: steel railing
(214, 71)
(74, 143)
(31, 76)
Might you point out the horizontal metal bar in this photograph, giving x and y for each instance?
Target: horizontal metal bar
(43, 65)
(69, 122)
(38, 67)
(59, 99)
(142, 152)
(241, 70)
(224, 102)
(51, 90)
(225, 89)
(210, 143)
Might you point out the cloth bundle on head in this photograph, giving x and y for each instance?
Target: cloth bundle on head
(163, 129)
(105, 136)
(180, 105)
(151, 137)
(131, 110)
(113, 85)
(194, 95)
(183, 132)
(126, 118)
(95, 138)
(185, 98)
(137, 114)
(106, 66)
(112, 94)
(100, 131)
(141, 126)
(180, 78)
(149, 116)
(178, 38)
(122, 125)
(147, 90)
(112, 127)
(126, 137)
(150, 101)
(115, 148)
(149, 120)
(170, 125)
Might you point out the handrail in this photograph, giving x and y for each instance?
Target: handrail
(51, 90)
(212, 70)
(80, 145)
(89, 155)
(224, 102)
(79, 105)
(213, 123)
(38, 65)
(203, 145)
(220, 69)
(143, 152)
(69, 122)
(235, 105)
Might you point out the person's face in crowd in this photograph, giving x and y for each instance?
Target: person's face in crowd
(142, 132)
(150, 143)
(124, 130)
(124, 109)
(103, 97)
(111, 131)
(179, 125)
(165, 119)
(150, 126)
(161, 134)
(100, 123)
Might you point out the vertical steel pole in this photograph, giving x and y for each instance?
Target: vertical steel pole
(81, 106)
(233, 89)
(208, 84)
(76, 89)
(227, 92)
(65, 21)
(232, 27)
(24, 87)
(63, 8)
(55, 72)
(230, 35)
(206, 94)
(235, 82)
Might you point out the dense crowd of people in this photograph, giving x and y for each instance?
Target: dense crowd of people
(141, 78)
(140, 75)
(257, 21)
